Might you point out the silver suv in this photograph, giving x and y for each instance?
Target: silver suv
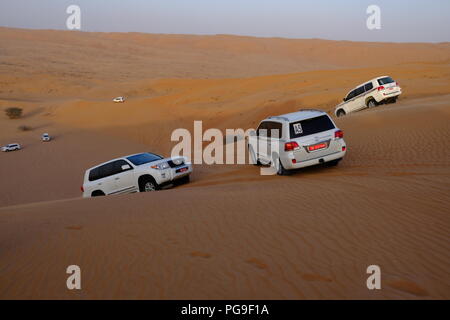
(296, 140)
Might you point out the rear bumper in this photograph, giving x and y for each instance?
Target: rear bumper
(287, 162)
(387, 94)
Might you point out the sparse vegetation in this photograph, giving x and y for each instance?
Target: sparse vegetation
(14, 112)
(25, 128)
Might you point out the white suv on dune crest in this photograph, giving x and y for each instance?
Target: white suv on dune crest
(140, 172)
(369, 94)
(296, 140)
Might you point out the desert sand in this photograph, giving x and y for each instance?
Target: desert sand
(230, 233)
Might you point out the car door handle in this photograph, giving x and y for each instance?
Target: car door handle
(117, 178)
(99, 184)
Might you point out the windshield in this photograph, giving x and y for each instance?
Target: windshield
(142, 158)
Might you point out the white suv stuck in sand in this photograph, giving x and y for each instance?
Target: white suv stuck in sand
(140, 172)
(11, 147)
(296, 140)
(370, 94)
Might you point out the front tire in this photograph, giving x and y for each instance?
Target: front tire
(148, 185)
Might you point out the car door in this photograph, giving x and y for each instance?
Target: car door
(102, 178)
(359, 101)
(123, 177)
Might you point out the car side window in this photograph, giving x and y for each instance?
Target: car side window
(368, 86)
(359, 91)
(271, 129)
(351, 95)
(117, 166)
(262, 129)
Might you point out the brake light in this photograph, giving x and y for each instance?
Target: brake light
(82, 189)
(339, 134)
(380, 88)
(397, 84)
(290, 146)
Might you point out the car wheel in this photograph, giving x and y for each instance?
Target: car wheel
(340, 113)
(148, 185)
(183, 180)
(98, 193)
(254, 160)
(281, 171)
(333, 163)
(372, 103)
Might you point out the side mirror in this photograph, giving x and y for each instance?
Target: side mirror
(344, 99)
(126, 167)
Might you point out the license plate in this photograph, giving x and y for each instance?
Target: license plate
(182, 170)
(317, 147)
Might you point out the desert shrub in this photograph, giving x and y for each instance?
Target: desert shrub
(13, 112)
(25, 128)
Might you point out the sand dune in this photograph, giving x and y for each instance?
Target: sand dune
(230, 233)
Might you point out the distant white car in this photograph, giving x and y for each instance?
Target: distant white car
(119, 99)
(11, 147)
(46, 137)
(369, 94)
(142, 172)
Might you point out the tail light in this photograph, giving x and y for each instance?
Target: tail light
(290, 146)
(339, 134)
(82, 189)
(380, 88)
(397, 84)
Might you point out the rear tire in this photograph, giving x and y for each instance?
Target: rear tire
(98, 193)
(333, 163)
(340, 113)
(281, 171)
(371, 103)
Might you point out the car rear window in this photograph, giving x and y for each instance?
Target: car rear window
(142, 158)
(386, 80)
(310, 126)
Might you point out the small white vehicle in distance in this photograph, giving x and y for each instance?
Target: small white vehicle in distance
(297, 140)
(377, 91)
(11, 147)
(142, 172)
(119, 99)
(45, 137)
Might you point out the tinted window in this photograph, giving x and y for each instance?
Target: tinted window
(310, 126)
(262, 126)
(351, 95)
(274, 129)
(117, 166)
(142, 158)
(385, 80)
(101, 172)
(368, 86)
(359, 91)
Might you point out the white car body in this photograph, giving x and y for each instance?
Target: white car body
(133, 174)
(306, 138)
(119, 99)
(11, 147)
(369, 94)
(46, 137)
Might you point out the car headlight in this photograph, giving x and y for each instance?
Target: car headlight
(160, 166)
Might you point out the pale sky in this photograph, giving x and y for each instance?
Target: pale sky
(401, 20)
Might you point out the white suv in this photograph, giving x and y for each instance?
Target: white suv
(369, 94)
(11, 147)
(296, 140)
(140, 172)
